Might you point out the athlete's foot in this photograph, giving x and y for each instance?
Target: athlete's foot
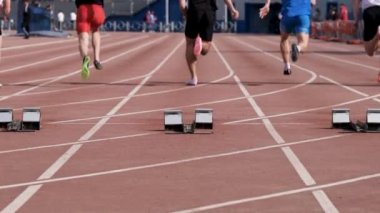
(287, 71)
(192, 82)
(97, 65)
(197, 46)
(85, 68)
(295, 52)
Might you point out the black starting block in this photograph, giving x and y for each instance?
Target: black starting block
(203, 122)
(31, 120)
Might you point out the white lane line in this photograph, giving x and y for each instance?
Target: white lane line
(2, 98)
(37, 44)
(200, 104)
(303, 173)
(316, 188)
(107, 140)
(20, 200)
(170, 163)
(348, 88)
(331, 57)
(306, 110)
(65, 56)
(80, 87)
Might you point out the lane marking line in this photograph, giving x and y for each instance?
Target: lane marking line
(313, 189)
(107, 140)
(170, 163)
(2, 98)
(301, 170)
(22, 198)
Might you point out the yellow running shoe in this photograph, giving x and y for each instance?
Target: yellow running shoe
(85, 68)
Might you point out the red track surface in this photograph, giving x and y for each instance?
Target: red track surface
(102, 147)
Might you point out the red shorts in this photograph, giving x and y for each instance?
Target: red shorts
(89, 17)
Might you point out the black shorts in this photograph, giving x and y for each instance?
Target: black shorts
(371, 18)
(200, 22)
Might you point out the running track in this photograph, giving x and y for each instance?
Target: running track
(102, 147)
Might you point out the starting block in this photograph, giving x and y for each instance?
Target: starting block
(31, 118)
(203, 119)
(373, 119)
(341, 118)
(6, 117)
(173, 121)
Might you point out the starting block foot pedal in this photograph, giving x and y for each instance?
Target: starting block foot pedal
(373, 120)
(6, 117)
(173, 121)
(204, 120)
(31, 118)
(341, 118)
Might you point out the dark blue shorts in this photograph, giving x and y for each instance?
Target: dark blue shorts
(295, 24)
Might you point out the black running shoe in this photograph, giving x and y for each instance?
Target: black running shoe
(97, 65)
(287, 71)
(295, 52)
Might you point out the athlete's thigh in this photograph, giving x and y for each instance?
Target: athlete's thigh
(207, 25)
(192, 27)
(97, 16)
(83, 23)
(302, 24)
(287, 25)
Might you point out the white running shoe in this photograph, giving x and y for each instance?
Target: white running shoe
(192, 82)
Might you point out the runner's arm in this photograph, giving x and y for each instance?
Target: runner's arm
(7, 7)
(356, 9)
(231, 7)
(264, 10)
(182, 7)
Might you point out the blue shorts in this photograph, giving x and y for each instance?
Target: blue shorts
(295, 24)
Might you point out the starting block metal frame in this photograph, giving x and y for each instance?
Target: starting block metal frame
(203, 123)
(31, 120)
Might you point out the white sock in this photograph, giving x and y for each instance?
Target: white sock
(287, 66)
(299, 48)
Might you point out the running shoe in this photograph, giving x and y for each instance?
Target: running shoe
(85, 68)
(97, 65)
(192, 82)
(287, 71)
(197, 46)
(295, 52)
